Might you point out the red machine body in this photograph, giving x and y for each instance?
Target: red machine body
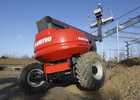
(53, 45)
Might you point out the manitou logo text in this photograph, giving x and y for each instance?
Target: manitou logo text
(81, 38)
(42, 41)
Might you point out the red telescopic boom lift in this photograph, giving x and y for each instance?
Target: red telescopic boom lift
(64, 50)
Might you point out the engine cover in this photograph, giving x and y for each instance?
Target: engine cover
(52, 45)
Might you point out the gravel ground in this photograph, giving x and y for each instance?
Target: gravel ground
(122, 83)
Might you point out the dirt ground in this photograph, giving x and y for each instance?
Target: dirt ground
(122, 83)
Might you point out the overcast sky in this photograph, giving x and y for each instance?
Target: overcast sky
(18, 19)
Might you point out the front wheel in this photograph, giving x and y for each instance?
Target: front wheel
(27, 79)
(90, 71)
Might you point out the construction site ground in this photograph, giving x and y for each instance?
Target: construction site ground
(122, 83)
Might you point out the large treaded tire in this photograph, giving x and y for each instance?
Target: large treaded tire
(28, 86)
(90, 71)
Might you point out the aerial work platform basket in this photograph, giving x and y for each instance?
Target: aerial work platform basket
(106, 14)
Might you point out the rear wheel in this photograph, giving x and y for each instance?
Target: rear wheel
(90, 71)
(27, 79)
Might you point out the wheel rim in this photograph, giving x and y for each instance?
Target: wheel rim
(97, 70)
(31, 74)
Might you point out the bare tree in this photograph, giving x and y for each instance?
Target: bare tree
(104, 55)
(122, 56)
(25, 57)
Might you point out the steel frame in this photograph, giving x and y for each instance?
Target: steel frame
(122, 26)
(118, 29)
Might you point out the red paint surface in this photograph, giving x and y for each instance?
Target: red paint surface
(62, 45)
